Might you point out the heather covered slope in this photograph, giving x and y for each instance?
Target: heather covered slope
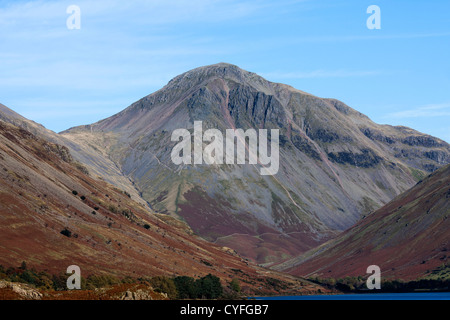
(407, 238)
(53, 215)
(336, 165)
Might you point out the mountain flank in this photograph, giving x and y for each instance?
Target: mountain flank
(408, 238)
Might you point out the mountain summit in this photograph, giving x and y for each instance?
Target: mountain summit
(336, 165)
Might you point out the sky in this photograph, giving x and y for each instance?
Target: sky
(124, 50)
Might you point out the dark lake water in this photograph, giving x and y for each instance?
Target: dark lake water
(368, 296)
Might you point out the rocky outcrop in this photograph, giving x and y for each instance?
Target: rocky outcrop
(366, 159)
(377, 136)
(23, 290)
(423, 141)
(136, 295)
(438, 156)
(305, 146)
(61, 152)
(325, 135)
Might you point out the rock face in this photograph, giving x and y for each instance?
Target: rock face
(407, 238)
(137, 295)
(336, 165)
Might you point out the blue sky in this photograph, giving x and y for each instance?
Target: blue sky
(125, 50)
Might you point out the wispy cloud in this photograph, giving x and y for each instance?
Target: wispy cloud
(432, 110)
(350, 38)
(142, 12)
(121, 44)
(123, 51)
(321, 74)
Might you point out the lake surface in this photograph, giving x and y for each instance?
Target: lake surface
(368, 296)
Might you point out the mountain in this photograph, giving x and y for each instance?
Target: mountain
(53, 215)
(407, 238)
(336, 165)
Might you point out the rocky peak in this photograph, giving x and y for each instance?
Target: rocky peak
(219, 70)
